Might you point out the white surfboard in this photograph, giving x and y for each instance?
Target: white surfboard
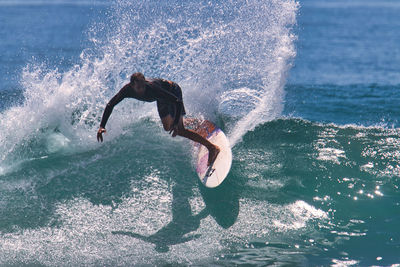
(212, 176)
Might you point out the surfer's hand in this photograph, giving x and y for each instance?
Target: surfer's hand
(100, 134)
(174, 131)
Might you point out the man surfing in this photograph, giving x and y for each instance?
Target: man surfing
(170, 108)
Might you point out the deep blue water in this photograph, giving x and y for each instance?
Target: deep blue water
(307, 93)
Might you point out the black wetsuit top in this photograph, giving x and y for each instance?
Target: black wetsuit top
(159, 90)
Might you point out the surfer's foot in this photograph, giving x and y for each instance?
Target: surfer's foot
(212, 154)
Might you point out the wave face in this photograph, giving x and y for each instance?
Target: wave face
(298, 193)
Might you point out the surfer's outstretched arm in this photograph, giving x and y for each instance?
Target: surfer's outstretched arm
(109, 108)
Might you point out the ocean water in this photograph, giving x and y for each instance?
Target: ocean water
(307, 92)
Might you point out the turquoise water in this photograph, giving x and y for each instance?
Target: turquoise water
(307, 93)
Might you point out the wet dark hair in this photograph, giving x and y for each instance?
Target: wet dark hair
(137, 77)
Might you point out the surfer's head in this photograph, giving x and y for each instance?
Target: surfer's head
(138, 82)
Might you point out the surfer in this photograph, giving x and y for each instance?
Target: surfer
(170, 108)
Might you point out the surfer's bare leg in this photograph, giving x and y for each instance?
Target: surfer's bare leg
(213, 150)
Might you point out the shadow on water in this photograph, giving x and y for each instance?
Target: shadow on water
(183, 222)
(222, 203)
